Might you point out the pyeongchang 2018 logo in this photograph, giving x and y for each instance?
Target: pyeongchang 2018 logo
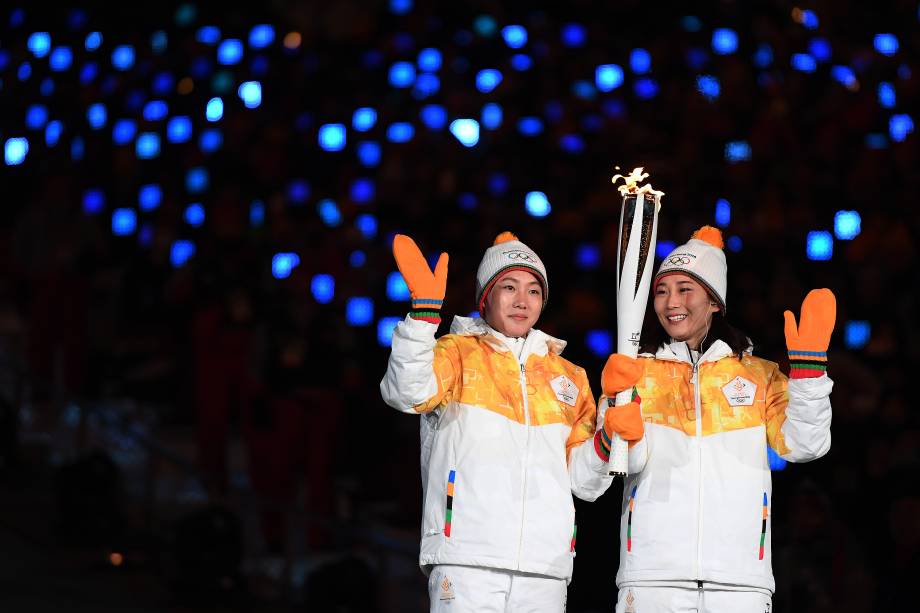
(680, 259)
(520, 256)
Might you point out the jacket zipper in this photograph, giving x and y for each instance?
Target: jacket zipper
(695, 379)
(524, 463)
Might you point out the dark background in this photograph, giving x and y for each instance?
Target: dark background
(205, 436)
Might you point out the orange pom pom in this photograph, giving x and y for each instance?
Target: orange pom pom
(711, 235)
(504, 237)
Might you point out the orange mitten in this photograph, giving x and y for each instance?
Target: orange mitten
(625, 421)
(620, 373)
(807, 343)
(427, 289)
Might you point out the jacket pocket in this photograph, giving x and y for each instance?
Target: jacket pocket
(763, 525)
(449, 512)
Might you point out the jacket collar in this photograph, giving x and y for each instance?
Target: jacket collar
(538, 342)
(679, 351)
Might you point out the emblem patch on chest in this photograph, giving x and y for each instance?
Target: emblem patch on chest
(565, 389)
(739, 392)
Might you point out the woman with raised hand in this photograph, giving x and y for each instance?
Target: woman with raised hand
(507, 435)
(695, 525)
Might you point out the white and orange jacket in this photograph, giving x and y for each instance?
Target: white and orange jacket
(505, 444)
(696, 504)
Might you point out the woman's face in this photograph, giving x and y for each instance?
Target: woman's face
(514, 303)
(684, 308)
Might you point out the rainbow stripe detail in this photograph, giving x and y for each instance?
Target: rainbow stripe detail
(574, 534)
(602, 445)
(763, 529)
(632, 507)
(804, 364)
(450, 502)
(426, 309)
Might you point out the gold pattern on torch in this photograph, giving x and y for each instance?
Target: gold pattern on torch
(632, 181)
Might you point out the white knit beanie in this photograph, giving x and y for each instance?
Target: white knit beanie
(507, 253)
(702, 258)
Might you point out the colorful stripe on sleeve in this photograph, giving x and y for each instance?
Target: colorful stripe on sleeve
(450, 502)
(763, 528)
(805, 364)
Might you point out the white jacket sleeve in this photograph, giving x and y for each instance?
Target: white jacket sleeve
(411, 383)
(805, 430)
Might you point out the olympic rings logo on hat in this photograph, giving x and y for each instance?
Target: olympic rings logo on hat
(678, 260)
(520, 255)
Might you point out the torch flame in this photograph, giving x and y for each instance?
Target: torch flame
(631, 183)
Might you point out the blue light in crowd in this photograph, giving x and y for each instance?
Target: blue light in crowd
(24, 71)
(734, 244)
(600, 342)
(515, 36)
(181, 252)
(608, 77)
(429, 60)
(696, 58)
(261, 36)
(155, 110)
(149, 197)
(158, 41)
(467, 201)
(17, 17)
(332, 136)
(572, 143)
(364, 119)
(39, 43)
(400, 7)
(357, 259)
(230, 52)
(359, 311)
(434, 116)
(47, 87)
(724, 41)
(96, 115)
(15, 151)
(179, 129)
(385, 328)
(709, 86)
(664, 248)
(400, 132)
(53, 132)
(588, 256)
(298, 191)
(691, 23)
(329, 212)
(92, 41)
(737, 151)
(145, 235)
(397, 290)
(485, 25)
(250, 92)
(530, 126)
(322, 287)
(804, 62)
(77, 149)
(640, 62)
(426, 85)
(498, 184)
(820, 49)
(194, 215)
(537, 204)
(208, 35)
(809, 19)
(366, 225)
(196, 180)
(574, 35)
(402, 74)
(362, 190)
(847, 225)
(491, 116)
(775, 462)
(887, 96)
(521, 62)
(646, 88)
(93, 201)
(583, 89)
(488, 79)
(369, 153)
(123, 131)
(819, 245)
(283, 264)
(214, 111)
(844, 75)
(899, 126)
(723, 212)
(36, 116)
(61, 59)
(124, 222)
(876, 141)
(256, 213)
(886, 44)
(466, 131)
(123, 57)
(856, 334)
(163, 84)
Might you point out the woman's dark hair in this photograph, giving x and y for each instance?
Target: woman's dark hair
(653, 335)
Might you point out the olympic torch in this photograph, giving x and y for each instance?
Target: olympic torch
(635, 260)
